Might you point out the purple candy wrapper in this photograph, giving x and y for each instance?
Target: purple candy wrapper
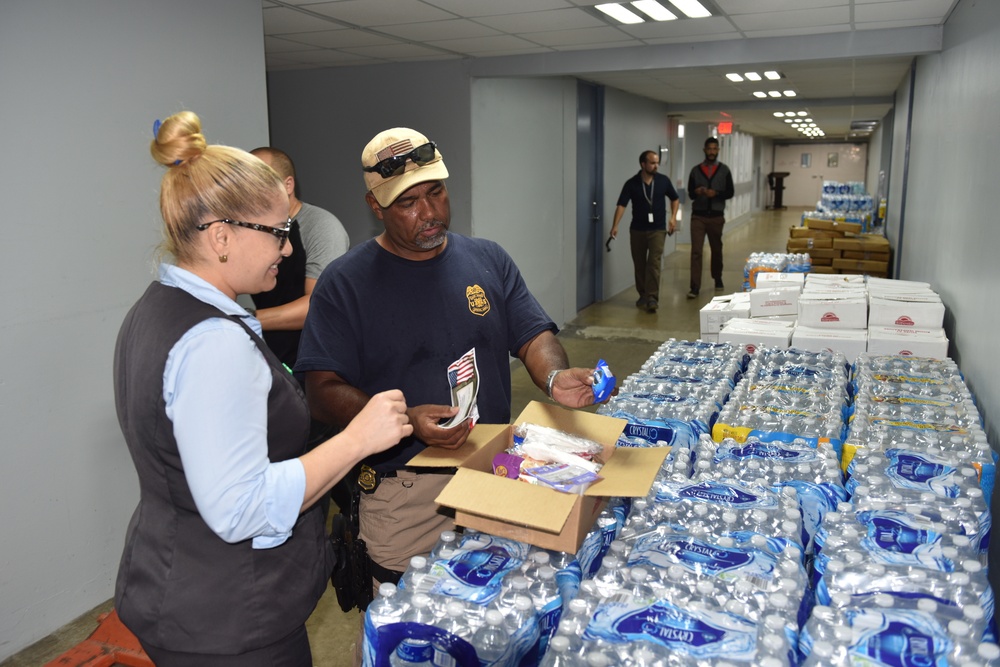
(507, 465)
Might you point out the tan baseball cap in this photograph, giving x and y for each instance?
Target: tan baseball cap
(412, 166)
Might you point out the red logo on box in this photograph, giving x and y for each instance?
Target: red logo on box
(905, 353)
(829, 317)
(904, 321)
(751, 348)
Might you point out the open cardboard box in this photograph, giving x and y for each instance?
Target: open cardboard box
(533, 514)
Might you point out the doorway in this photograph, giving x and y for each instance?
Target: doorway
(589, 194)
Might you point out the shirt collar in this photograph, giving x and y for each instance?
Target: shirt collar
(174, 276)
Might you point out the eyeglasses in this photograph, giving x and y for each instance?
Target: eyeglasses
(394, 165)
(281, 232)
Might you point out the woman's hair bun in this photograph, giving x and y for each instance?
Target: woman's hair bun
(178, 139)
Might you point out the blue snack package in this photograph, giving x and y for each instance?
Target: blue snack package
(604, 382)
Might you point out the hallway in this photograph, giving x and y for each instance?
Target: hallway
(613, 330)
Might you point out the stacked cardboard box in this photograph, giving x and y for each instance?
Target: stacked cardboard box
(840, 247)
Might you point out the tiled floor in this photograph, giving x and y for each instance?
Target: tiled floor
(613, 330)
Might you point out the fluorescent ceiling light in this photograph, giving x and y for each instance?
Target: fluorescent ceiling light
(789, 93)
(619, 13)
(654, 10)
(772, 75)
(774, 93)
(680, 131)
(734, 77)
(691, 8)
(752, 76)
(759, 93)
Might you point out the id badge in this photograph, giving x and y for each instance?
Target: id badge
(650, 218)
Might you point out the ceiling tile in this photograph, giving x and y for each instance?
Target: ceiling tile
(380, 12)
(337, 39)
(555, 19)
(278, 20)
(487, 44)
(735, 7)
(793, 18)
(713, 25)
(793, 32)
(473, 8)
(397, 50)
(605, 34)
(426, 32)
(282, 45)
(601, 45)
(902, 9)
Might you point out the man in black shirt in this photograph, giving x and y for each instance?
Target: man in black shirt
(709, 186)
(648, 192)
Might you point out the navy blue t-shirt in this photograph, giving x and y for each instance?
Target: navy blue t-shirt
(381, 322)
(636, 192)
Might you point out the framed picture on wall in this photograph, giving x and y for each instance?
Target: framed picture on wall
(832, 159)
(807, 160)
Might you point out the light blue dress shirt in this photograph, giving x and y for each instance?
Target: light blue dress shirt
(215, 385)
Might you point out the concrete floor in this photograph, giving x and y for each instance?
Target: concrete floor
(613, 330)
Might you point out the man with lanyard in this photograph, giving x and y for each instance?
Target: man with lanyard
(647, 191)
(709, 185)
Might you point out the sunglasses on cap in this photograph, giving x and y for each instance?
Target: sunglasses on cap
(394, 165)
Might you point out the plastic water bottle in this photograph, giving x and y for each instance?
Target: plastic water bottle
(412, 652)
(520, 615)
(560, 654)
(513, 588)
(492, 639)
(385, 608)
(415, 573)
(446, 545)
(455, 621)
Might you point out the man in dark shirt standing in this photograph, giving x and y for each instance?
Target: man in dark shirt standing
(647, 191)
(709, 186)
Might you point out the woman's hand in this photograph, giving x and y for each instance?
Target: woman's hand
(382, 423)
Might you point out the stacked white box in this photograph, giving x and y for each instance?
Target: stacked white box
(908, 341)
(752, 334)
(774, 301)
(850, 342)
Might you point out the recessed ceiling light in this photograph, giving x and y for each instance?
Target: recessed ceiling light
(759, 93)
(809, 120)
(654, 10)
(772, 75)
(734, 77)
(803, 113)
(774, 93)
(619, 13)
(779, 114)
(691, 8)
(812, 124)
(752, 76)
(789, 120)
(789, 93)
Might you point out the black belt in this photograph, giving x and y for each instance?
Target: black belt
(369, 478)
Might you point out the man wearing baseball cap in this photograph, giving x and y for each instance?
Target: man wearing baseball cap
(397, 311)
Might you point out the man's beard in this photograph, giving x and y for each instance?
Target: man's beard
(428, 243)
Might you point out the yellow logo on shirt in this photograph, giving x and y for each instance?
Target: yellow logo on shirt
(478, 303)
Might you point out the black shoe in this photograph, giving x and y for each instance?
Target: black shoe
(640, 302)
(719, 286)
(692, 294)
(651, 306)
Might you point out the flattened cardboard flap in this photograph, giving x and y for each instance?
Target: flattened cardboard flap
(435, 457)
(522, 504)
(629, 473)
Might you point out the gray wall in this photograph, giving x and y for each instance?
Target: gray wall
(324, 118)
(524, 181)
(82, 84)
(950, 236)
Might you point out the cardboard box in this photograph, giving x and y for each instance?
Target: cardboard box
(908, 342)
(753, 334)
(833, 225)
(772, 280)
(830, 283)
(867, 256)
(863, 242)
(821, 269)
(805, 243)
(851, 342)
(819, 261)
(779, 301)
(860, 266)
(906, 309)
(842, 309)
(711, 316)
(807, 233)
(886, 285)
(824, 253)
(534, 514)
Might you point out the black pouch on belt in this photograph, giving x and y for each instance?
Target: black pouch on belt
(352, 574)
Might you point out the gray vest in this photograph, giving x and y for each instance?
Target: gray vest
(180, 587)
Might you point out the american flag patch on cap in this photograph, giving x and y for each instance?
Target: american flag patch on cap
(404, 146)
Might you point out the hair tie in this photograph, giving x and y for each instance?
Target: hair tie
(156, 127)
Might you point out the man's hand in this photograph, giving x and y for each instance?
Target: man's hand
(425, 420)
(672, 226)
(573, 387)
(709, 192)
